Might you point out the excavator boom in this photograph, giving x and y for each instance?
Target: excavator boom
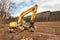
(33, 10)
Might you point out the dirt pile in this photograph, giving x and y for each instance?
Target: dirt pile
(45, 31)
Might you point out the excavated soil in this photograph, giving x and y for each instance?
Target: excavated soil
(44, 31)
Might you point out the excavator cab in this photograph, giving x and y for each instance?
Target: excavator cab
(14, 26)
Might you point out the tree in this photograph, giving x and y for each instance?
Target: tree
(4, 9)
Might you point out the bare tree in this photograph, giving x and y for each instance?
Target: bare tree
(4, 9)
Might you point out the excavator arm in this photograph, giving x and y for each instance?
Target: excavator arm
(33, 10)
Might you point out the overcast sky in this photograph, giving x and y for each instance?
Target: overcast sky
(43, 5)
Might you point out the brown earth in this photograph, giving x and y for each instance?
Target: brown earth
(44, 31)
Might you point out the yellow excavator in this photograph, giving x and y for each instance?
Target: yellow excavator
(20, 23)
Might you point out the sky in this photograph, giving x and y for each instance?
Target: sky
(43, 5)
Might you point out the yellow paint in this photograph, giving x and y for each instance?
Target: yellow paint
(13, 24)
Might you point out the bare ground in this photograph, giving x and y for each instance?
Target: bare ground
(44, 31)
